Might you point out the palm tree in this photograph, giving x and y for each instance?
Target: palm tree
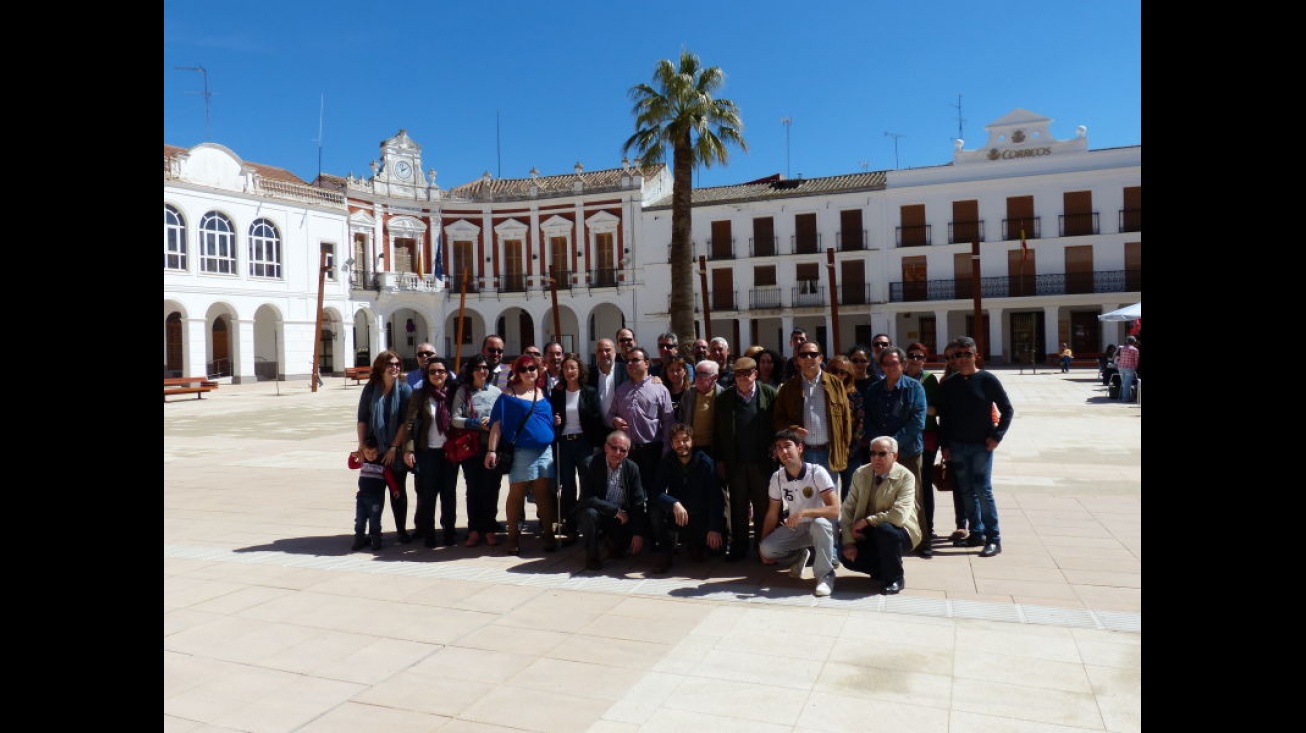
(680, 109)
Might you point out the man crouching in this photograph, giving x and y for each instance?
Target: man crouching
(878, 519)
(810, 502)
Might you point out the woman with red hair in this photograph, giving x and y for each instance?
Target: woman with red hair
(523, 416)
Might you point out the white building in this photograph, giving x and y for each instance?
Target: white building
(897, 246)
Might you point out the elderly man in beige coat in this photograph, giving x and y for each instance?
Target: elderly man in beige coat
(878, 518)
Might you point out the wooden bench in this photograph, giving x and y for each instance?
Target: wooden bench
(187, 385)
(358, 373)
(1079, 361)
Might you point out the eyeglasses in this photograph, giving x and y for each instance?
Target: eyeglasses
(617, 448)
(861, 361)
(531, 368)
(666, 346)
(916, 357)
(426, 353)
(809, 354)
(881, 344)
(964, 355)
(880, 453)
(626, 340)
(494, 351)
(838, 372)
(482, 368)
(395, 364)
(701, 375)
(438, 371)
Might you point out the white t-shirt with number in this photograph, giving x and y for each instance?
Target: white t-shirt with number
(804, 492)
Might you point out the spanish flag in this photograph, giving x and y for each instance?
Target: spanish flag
(1024, 249)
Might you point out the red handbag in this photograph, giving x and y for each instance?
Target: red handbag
(462, 444)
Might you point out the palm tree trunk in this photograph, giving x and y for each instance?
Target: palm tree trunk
(682, 246)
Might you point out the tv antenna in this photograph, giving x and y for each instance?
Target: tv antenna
(787, 122)
(208, 117)
(895, 137)
(960, 119)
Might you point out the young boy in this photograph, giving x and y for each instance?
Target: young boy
(373, 481)
(808, 494)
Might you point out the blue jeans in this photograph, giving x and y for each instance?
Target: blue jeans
(367, 510)
(573, 455)
(845, 476)
(1126, 383)
(821, 458)
(974, 465)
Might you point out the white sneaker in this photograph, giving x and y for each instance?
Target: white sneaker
(796, 570)
(824, 588)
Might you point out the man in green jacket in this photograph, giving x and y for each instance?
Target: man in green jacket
(816, 405)
(742, 434)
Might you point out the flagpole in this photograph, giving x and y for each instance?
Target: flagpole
(458, 340)
(980, 336)
(834, 303)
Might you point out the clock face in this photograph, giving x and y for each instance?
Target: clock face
(403, 169)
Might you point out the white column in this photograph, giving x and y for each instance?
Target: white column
(242, 351)
(996, 338)
(196, 338)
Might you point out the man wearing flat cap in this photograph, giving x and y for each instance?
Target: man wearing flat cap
(741, 445)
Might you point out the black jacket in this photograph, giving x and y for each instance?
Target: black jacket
(594, 493)
(591, 422)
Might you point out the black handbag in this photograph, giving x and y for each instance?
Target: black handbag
(506, 447)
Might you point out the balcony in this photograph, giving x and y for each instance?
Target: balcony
(456, 283)
(855, 240)
(512, 283)
(808, 293)
(1031, 226)
(965, 232)
(721, 249)
(724, 300)
(764, 247)
(603, 278)
(767, 296)
(806, 245)
(854, 294)
(1108, 281)
(1131, 220)
(1078, 225)
(920, 235)
(563, 276)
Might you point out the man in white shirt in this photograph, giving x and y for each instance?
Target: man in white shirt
(802, 514)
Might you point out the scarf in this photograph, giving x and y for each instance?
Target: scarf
(442, 417)
(383, 425)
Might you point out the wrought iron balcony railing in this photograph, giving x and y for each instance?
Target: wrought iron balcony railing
(1107, 281)
(917, 235)
(767, 296)
(964, 232)
(854, 241)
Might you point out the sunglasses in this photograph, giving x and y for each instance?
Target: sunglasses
(482, 368)
(531, 368)
(494, 351)
(861, 361)
(395, 364)
(809, 355)
(666, 346)
(880, 453)
(880, 343)
(535, 354)
(964, 355)
(426, 353)
(916, 357)
(434, 372)
(838, 372)
(626, 341)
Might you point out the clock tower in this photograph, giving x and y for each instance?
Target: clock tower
(401, 161)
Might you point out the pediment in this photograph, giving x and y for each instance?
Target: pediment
(405, 225)
(361, 220)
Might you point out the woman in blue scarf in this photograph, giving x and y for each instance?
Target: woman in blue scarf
(381, 411)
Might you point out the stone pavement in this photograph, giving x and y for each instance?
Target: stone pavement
(272, 625)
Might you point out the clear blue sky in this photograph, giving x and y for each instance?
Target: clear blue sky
(504, 86)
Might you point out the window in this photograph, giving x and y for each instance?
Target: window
(915, 278)
(605, 256)
(966, 224)
(174, 239)
(264, 249)
(560, 262)
(722, 246)
(806, 238)
(850, 230)
(217, 244)
(914, 232)
(514, 276)
(330, 251)
(763, 236)
(1020, 219)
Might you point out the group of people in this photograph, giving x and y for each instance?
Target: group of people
(799, 461)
